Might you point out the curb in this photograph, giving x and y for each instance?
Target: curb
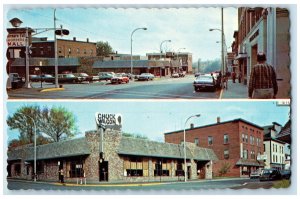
(52, 89)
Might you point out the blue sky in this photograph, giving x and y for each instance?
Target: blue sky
(186, 27)
(152, 119)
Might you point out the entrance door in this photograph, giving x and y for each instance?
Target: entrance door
(103, 171)
(189, 172)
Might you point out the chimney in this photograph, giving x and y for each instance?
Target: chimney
(218, 120)
(192, 125)
(87, 40)
(74, 38)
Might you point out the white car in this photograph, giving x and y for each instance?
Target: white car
(175, 75)
(146, 76)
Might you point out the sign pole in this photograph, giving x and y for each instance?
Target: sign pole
(27, 84)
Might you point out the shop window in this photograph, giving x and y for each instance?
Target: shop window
(17, 169)
(210, 140)
(134, 166)
(226, 139)
(162, 168)
(59, 49)
(40, 167)
(179, 168)
(76, 169)
(226, 154)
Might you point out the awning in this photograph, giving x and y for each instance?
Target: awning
(241, 56)
(243, 162)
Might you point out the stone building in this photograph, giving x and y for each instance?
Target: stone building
(125, 159)
(238, 145)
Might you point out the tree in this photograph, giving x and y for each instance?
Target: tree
(23, 121)
(58, 123)
(225, 168)
(135, 136)
(103, 48)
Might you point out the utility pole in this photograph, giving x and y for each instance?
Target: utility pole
(222, 40)
(55, 54)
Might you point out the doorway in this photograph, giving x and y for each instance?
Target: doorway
(103, 171)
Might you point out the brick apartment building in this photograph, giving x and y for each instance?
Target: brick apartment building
(264, 30)
(237, 143)
(124, 159)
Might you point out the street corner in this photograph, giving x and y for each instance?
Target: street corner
(52, 89)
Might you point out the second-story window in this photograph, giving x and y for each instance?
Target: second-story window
(70, 50)
(196, 141)
(245, 154)
(210, 140)
(226, 139)
(226, 154)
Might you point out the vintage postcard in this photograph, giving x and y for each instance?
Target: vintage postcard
(175, 100)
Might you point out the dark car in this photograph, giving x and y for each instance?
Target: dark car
(270, 174)
(285, 174)
(34, 78)
(86, 78)
(198, 74)
(204, 82)
(68, 78)
(106, 75)
(119, 78)
(14, 81)
(146, 76)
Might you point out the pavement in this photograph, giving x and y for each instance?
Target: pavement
(234, 91)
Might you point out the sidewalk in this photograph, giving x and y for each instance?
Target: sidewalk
(235, 91)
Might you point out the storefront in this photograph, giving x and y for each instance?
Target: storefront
(124, 159)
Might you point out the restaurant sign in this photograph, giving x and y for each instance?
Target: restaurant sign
(16, 40)
(108, 119)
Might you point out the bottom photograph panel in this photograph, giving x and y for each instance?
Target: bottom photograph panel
(142, 145)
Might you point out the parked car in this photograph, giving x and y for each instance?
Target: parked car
(14, 81)
(119, 78)
(34, 78)
(47, 78)
(106, 75)
(255, 174)
(198, 74)
(181, 74)
(86, 78)
(68, 78)
(146, 76)
(285, 174)
(129, 75)
(175, 75)
(204, 82)
(270, 174)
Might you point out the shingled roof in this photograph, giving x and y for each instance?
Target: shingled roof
(61, 149)
(142, 147)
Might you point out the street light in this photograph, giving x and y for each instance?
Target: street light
(161, 46)
(131, 64)
(34, 159)
(184, 145)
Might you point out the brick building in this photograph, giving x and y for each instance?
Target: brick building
(41, 47)
(237, 143)
(125, 159)
(264, 30)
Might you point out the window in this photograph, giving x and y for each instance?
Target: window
(49, 48)
(84, 51)
(162, 168)
(59, 49)
(210, 140)
(70, 50)
(78, 51)
(226, 139)
(264, 148)
(76, 169)
(196, 141)
(252, 155)
(179, 168)
(91, 51)
(41, 51)
(39, 167)
(246, 138)
(134, 166)
(245, 154)
(243, 137)
(251, 139)
(226, 154)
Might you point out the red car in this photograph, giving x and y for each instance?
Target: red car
(119, 78)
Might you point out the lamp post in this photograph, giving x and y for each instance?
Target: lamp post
(34, 158)
(161, 46)
(184, 145)
(131, 64)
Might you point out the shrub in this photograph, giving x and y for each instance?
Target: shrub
(224, 169)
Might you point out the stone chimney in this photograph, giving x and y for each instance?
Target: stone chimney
(218, 120)
(87, 40)
(74, 38)
(192, 125)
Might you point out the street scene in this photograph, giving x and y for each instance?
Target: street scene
(148, 145)
(200, 64)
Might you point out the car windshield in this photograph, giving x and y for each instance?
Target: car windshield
(83, 74)
(47, 75)
(70, 75)
(266, 171)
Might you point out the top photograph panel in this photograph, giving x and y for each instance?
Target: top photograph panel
(148, 53)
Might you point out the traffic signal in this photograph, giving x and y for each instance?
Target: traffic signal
(62, 32)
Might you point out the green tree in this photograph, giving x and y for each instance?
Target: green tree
(135, 135)
(58, 123)
(103, 48)
(22, 120)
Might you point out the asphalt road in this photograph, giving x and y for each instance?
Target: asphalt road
(207, 185)
(164, 88)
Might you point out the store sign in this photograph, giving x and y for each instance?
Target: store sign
(108, 119)
(16, 40)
